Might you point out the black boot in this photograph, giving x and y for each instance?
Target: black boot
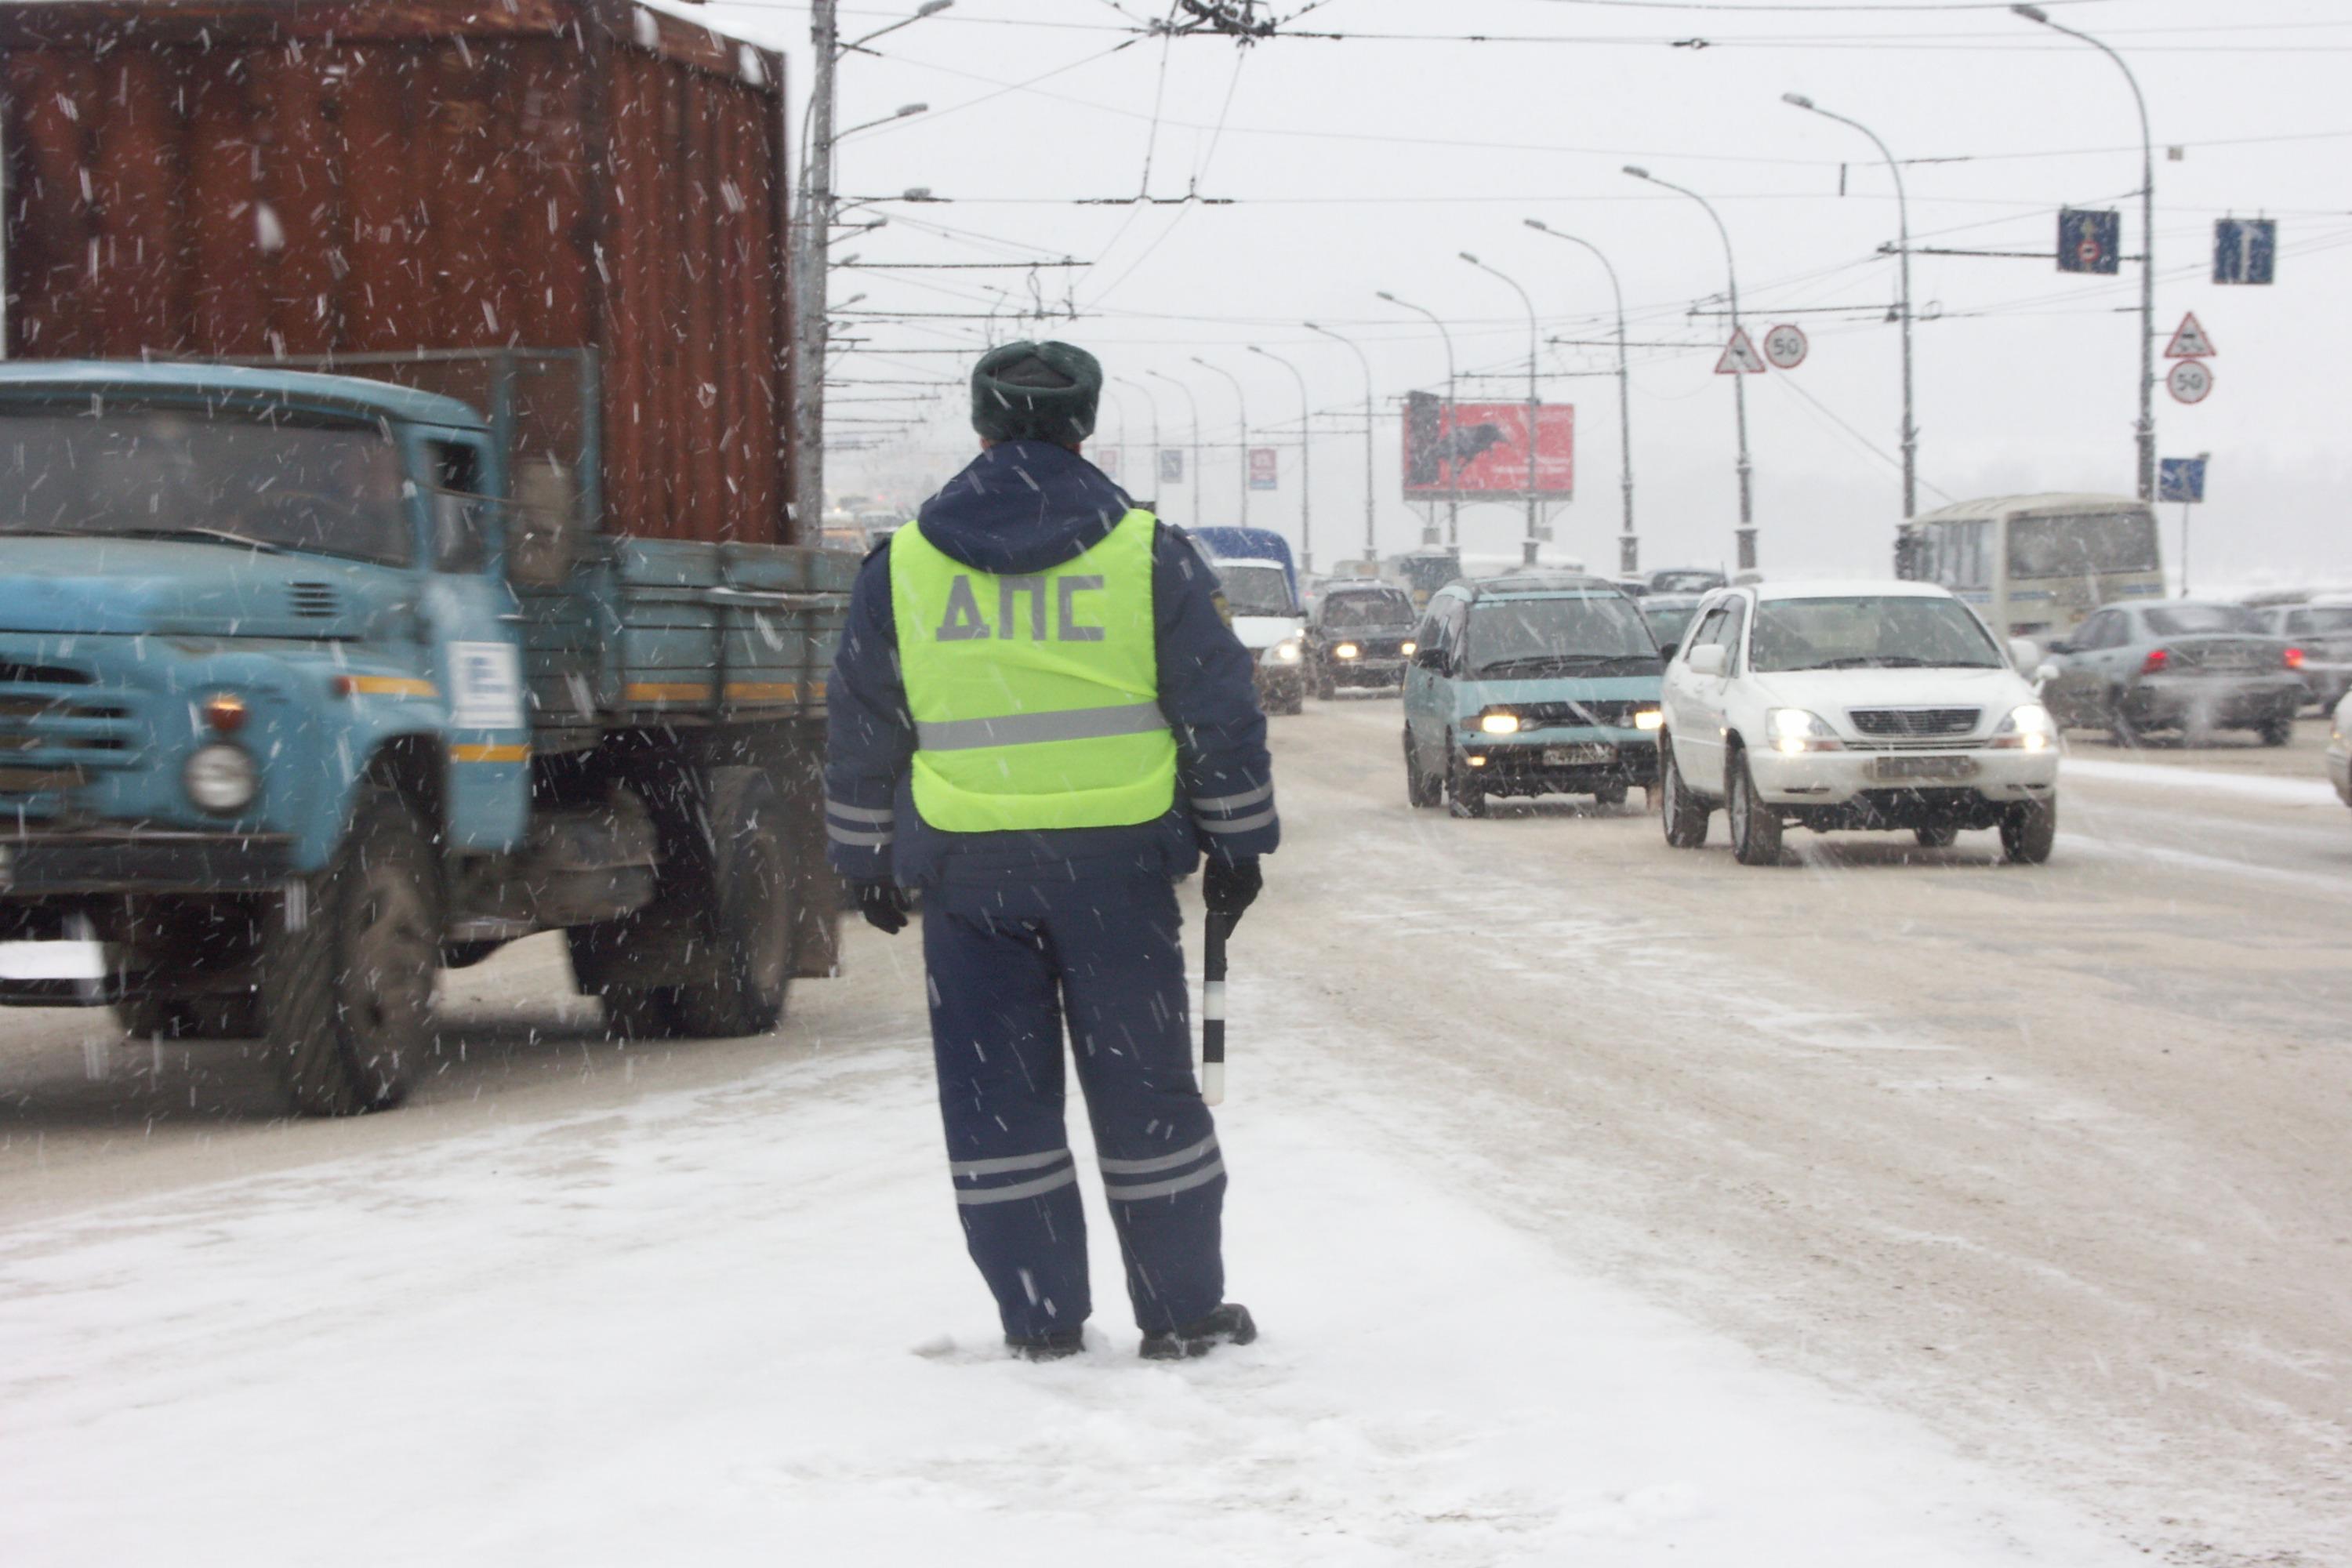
(1051, 1346)
(1230, 1324)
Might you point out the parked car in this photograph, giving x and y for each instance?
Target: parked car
(1538, 684)
(1358, 634)
(1834, 705)
(2179, 664)
(2322, 628)
(1669, 615)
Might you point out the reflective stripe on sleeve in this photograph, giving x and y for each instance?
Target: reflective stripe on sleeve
(858, 840)
(1200, 1178)
(1225, 805)
(1159, 1162)
(1042, 1185)
(1239, 824)
(884, 814)
(1029, 729)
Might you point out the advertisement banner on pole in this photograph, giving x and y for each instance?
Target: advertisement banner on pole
(1171, 465)
(1264, 472)
(1480, 449)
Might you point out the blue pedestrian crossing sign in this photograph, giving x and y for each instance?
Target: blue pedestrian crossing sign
(2181, 480)
(2090, 241)
(2245, 249)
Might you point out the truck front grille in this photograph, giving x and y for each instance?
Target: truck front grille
(54, 730)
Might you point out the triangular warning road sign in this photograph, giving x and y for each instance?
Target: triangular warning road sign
(1739, 355)
(2190, 341)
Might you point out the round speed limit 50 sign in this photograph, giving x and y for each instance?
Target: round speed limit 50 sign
(1785, 347)
(2191, 380)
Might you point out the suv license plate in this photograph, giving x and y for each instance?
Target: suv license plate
(1926, 768)
(1583, 755)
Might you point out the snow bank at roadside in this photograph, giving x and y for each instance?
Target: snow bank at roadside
(2244, 786)
(735, 1325)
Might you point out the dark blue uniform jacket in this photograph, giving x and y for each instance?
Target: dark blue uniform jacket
(1027, 506)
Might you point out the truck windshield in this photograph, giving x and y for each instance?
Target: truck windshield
(1253, 590)
(156, 473)
(1584, 632)
(1870, 633)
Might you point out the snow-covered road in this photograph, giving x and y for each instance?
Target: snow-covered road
(1601, 1203)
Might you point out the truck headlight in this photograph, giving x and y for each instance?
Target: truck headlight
(1284, 652)
(221, 778)
(1499, 724)
(2028, 728)
(1795, 731)
(1346, 650)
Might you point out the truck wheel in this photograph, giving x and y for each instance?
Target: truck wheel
(348, 958)
(1755, 827)
(1684, 814)
(1423, 790)
(2029, 831)
(742, 991)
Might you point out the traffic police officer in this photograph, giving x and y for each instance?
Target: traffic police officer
(1041, 719)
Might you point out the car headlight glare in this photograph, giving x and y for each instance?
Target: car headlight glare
(1346, 650)
(2028, 728)
(1649, 718)
(221, 778)
(1499, 724)
(1285, 652)
(1407, 648)
(1795, 731)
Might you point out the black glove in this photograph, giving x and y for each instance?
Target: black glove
(1231, 889)
(884, 904)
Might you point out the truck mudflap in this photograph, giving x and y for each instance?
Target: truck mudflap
(133, 861)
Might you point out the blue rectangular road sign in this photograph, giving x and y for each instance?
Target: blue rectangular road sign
(2245, 249)
(2090, 241)
(2181, 480)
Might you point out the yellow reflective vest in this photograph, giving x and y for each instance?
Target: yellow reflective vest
(1035, 698)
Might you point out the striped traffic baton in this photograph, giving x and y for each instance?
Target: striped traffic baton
(1213, 1011)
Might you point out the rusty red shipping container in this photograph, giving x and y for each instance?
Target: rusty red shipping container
(300, 180)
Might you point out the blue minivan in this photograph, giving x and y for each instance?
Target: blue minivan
(1531, 684)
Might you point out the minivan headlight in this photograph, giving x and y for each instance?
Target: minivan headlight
(1649, 718)
(1795, 731)
(2028, 728)
(1498, 721)
(221, 778)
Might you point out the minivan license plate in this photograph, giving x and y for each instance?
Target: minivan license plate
(1582, 755)
(1927, 767)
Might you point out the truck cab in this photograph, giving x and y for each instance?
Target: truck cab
(272, 749)
(1261, 590)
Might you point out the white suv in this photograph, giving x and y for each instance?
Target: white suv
(1854, 705)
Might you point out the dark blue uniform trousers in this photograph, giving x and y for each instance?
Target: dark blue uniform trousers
(1006, 970)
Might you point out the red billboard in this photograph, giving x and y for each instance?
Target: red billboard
(1481, 448)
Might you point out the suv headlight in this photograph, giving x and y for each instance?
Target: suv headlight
(1407, 648)
(1346, 650)
(221, 778)
(1284, 652)
(1795, 731)
(2028, 728)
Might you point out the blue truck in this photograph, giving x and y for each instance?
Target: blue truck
(300, 702)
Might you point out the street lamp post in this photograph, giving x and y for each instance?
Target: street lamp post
(1152, 402)
(1371, 543)
(1306, 468)
(1453, 480)
(816, 232)
(1739, 381)
(1902, 229)
(2147, 428)
(1629, 550)
(1241, 403)
(1535, 403)
(1194, 404)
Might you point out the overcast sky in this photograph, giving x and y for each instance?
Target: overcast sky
(1368, 163)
